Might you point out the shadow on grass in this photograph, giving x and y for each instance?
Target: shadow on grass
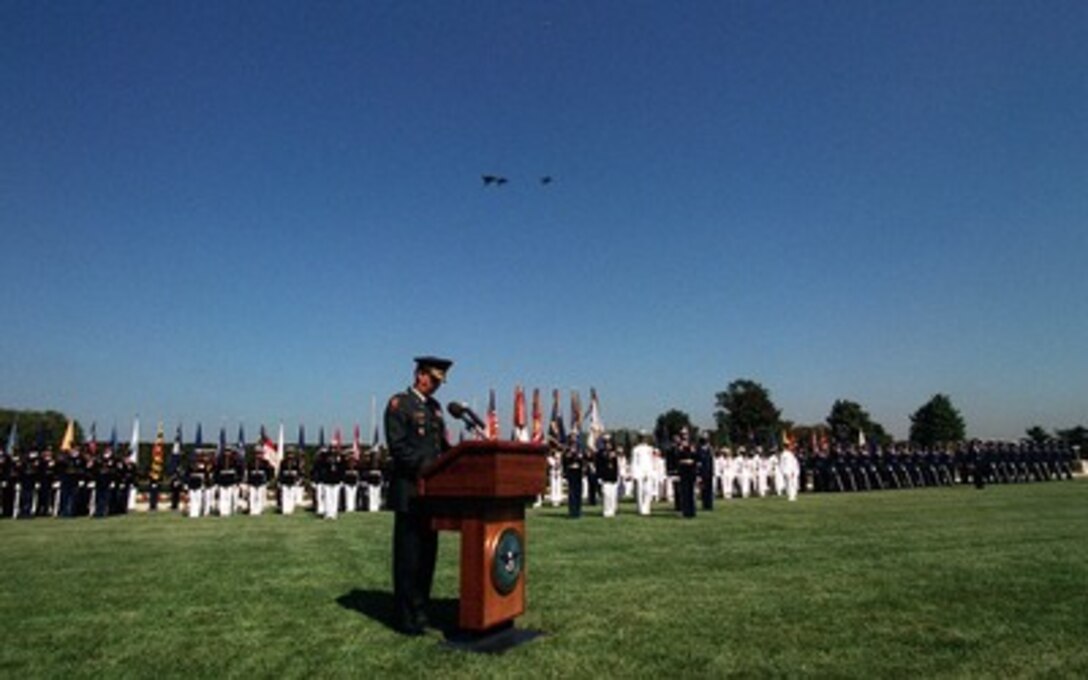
(378, 605)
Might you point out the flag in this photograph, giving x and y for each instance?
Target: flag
(175, 454)
(221, 448)
(375, 441)
(301, 438)
(337, 442)
(556, 433)
(321, 437)
(787, 440)
(280, 448)
(356, 449)
(861, 438)
(268, 447)
(241, 440)
(13, 438)
(198, 442)
(113, 438)
(576, 416)
(596, 425)
(134, 448)
(492, 418)
(154, 472)
(521, 432)
(92, 444)
(537, 436)
(69, 436)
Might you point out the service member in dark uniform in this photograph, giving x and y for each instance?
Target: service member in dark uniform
(416, 434)
(573, 470)
(687, 469)
(705, 457)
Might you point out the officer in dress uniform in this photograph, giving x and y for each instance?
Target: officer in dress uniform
(260, 474)
(288, 483)
(373, 474)
(686, 468)
(572, 470)
(350, 482)
(416, 434)
(608, 472)
(196, 479)
(705, 457)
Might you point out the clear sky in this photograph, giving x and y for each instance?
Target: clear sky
(261, 211)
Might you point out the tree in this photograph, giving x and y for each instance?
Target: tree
(1075, 438)
(1037, 434)
(670, 423)
(746, 413)
(848, 418)
(936, 421)
(37, 430)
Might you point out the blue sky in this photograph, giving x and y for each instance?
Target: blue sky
(255, 212)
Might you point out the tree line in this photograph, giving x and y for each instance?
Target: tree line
(746, 415)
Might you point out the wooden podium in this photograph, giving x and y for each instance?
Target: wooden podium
(481, 488)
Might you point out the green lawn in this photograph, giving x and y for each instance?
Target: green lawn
(931, 583)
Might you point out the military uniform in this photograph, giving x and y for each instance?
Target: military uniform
(572, 470)
(686, 468)
(416, 434)
(608, 472)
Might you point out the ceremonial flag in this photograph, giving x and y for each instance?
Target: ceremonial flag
(537, 436)
(356, 449)
(13, 438)
(492, 418)
(280, 448)
(596, 425)
(268, 447)
(787, 440)
(113, 438)
(134, 449)
(241, 440)
(337, 442)
(321, 438)
(556, 432)
(154, 472)
(69, 436)
(175, 454)
(521, 432)
(198, 441)
(861, 438)
(221, 448)
(576, 416)
(375, 441)
(92, 444)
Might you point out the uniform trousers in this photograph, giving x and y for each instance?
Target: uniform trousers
(645, 487)
(609, 497)
(415, 548)
(196, 502)
(373, 497)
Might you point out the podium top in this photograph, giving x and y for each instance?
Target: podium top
(487, 469)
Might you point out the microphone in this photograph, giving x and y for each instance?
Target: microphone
(463, 413)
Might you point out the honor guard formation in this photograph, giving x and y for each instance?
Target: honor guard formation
(587, 467)
(85, 482)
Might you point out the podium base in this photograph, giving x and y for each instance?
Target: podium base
(492, 641)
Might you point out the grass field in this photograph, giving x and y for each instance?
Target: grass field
(931, 583)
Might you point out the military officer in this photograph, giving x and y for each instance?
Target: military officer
(608, 473)
(686, 468)
(705, 457)
(416, 434)
(642, 470)
(573, 470)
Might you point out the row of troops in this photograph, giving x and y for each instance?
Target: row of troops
(683, 471)
(908, 467)
(82, 483)
(66, 484)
